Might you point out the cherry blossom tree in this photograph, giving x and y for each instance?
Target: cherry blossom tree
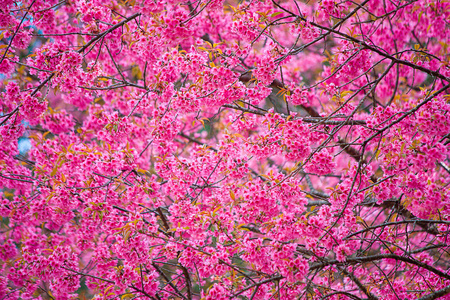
(225, 149)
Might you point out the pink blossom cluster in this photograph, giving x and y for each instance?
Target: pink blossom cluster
(218, 149)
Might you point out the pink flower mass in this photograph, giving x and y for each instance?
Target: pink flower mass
(225, 149)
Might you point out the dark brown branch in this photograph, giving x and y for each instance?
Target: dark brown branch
(358, 260)
(437, 294)
(169, 282)
(257, 284)
(360, 285)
